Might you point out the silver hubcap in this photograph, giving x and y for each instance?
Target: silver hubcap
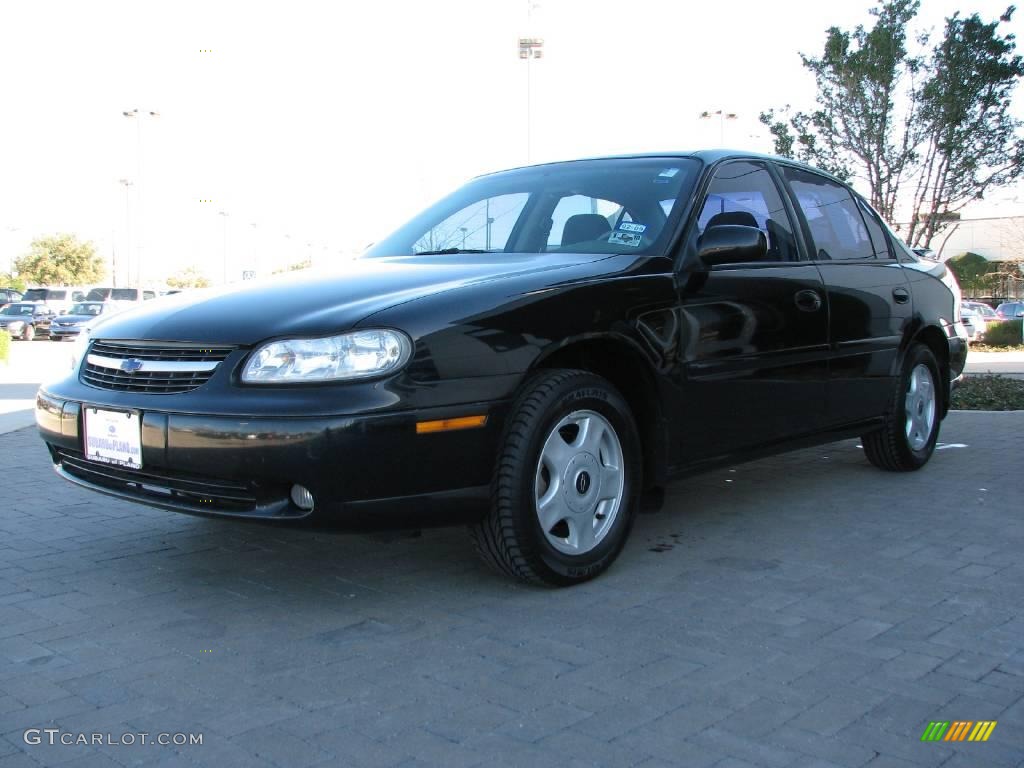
(920, 407)
(579, 482)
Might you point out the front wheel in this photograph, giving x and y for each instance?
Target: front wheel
(907, 439)
(567, 482)
(29, 333)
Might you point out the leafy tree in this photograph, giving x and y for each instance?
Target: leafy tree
(855, 128)
(971, 139)
(937, 122)
(190, 277)
(7, 280)
(61, 260)
(972, 272)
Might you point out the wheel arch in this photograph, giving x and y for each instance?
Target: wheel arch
(621, 361)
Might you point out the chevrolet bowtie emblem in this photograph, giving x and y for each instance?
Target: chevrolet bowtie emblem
(131, 365)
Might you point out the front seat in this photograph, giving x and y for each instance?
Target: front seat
(584, 227)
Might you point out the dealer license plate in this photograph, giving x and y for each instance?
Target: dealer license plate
(113, 437)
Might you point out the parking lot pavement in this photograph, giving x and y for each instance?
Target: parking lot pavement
(1003, 363)
(806, 610)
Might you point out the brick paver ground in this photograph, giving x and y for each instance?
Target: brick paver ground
(806, 610)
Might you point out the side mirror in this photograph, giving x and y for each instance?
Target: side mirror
(731, 244)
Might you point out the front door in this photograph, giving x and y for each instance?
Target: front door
(755, 335)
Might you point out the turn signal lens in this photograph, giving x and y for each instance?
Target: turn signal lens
(450, 425)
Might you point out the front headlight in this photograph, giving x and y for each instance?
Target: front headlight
(355, 355)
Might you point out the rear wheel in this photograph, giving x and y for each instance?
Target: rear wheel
(567, 482)
(907, 439)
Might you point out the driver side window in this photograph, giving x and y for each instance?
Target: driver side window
(744, 193)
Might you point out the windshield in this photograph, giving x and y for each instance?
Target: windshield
(87, 308)
(627, 205)
(18, 309)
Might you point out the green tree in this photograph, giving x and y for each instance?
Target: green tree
(972, 272)
(937, 121)
(971, 142)
(854, 128)
(7, 280)
(61, 260)
(190, 277)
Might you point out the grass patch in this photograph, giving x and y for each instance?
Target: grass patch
(989, 393)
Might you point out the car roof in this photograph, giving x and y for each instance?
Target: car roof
(705, 156)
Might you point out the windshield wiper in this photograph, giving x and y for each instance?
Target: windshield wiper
(447, 251)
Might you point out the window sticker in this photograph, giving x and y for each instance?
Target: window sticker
(668, 173)
(629, 226)
(632, 239)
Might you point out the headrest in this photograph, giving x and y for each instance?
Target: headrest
(583, 227)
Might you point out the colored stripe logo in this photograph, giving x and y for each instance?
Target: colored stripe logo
(958, 730)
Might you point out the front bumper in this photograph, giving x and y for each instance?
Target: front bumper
(58, 332)
(361, 469)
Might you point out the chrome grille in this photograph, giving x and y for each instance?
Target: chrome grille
(158, 367)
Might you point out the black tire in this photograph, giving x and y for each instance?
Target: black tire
(890, 448)
(29, 333)
(510, 537)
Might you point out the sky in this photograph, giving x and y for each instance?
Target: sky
(316, 127)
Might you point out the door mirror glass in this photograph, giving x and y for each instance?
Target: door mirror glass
(731, 244)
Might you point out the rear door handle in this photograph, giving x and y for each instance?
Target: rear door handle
(902, 295)
(807, 300)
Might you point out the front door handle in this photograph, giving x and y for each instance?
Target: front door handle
(807, 300)
(902, 295)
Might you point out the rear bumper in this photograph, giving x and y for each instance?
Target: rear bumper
(366, 469)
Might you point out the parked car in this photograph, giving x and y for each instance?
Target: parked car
(969, 321)
(8, 295)
(60, 300)
(83, 316)
(109, 293)
(528, 355)
(26, 319)
(1010, 310)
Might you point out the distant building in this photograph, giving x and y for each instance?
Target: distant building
(996, 238)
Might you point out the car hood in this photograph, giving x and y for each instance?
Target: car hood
(312, 303)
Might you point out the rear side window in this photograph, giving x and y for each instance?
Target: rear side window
(879, 242)
(833, 217)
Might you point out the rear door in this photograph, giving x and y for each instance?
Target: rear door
(869, 298)
(754, 335)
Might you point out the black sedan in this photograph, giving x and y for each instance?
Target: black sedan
(531, 355)
(26, 319)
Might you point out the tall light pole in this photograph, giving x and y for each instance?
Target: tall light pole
(127, 183)
(722, 116)
(224, 215)
(138, 115)
(10, 258)
(530, 48)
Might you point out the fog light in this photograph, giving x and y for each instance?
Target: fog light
(301, 497)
